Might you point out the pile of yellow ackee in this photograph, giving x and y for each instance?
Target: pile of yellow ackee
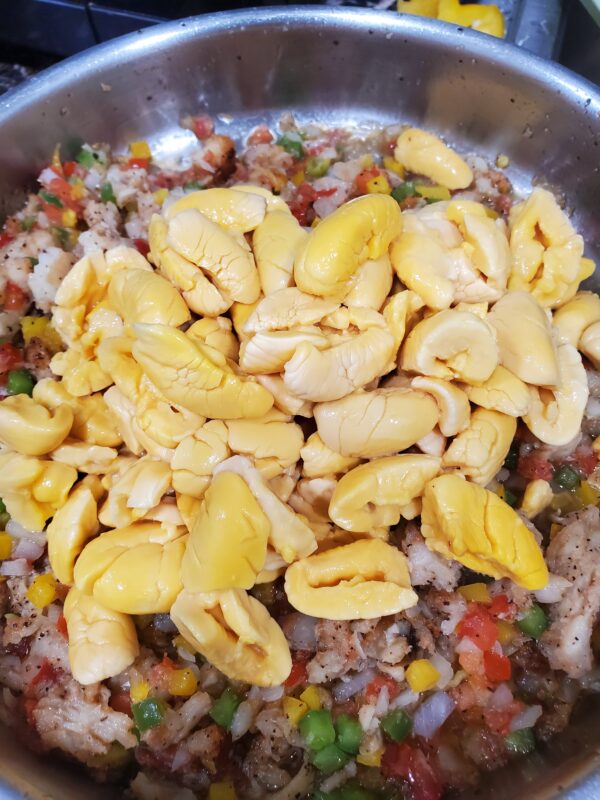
(198, 483)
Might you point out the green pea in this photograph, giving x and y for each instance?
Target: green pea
(20, 381)
(520, 742)
(566, 477)
(317, 167)
(406, 189)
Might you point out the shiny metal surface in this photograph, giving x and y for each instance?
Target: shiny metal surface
(338, 67)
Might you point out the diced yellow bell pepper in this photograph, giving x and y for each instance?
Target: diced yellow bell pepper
(160, 196)
(506, 632)
(41, 328)
(379, 185)
(370, 759)
(5, 546)
(140, 149)
(587, 494)
(390, 163)
(419, 8)
(475, 593)
(311, 697)
(139, 691)
(182, 682)
(294, 709)
(221, 791)
(555, 528)
(421, 675)
(565, 502)
(486, 19)
(42, 590)
(298, 177)
(432, 192)
(69, 218)
(78, 189)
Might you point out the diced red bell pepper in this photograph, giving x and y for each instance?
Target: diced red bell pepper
(534, 465)
(70, 168)
(499, 607)
(138, 163)
(15, 298)
(497, 666)
(10, 357)
(142, 246)
(5, 238)
(297, 676)
(61, 626)
(363, 178)
(203, 126)
(378, 683)
(410, 764)
(479, 626)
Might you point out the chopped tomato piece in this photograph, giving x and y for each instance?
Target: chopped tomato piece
(301, 205)
(142, 246)
(260, 135)
(69, 168)
(297, 676)
(500, 607)
(410, 764)
(140, 163)
(497, 666)
(364, 177)
(535, 465)
(499, 719)
(5, 238)
(15, 299)
(584, 459)
(61, 626)
(479, 626)
(377, 684)
(10, 357)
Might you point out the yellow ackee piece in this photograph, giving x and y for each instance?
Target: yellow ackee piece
(506, 632)
(433, 193)
(379, 185)
(294, 709)
(362, 580)
(139, 691)
(421, 675)
(475, 593)
(195, 377)
(5, 546)
(29, 428)
(371, 759)
(42, 591)
(479, 451)
(472, 525)
(102, 643)
(425, 154)
(221, 791)
(227, 546)
(232, 210)
(311, 697)
(140, 149)
(182, 682)
(236, 634)
(69, 218)
(353, 233)
(371, 496)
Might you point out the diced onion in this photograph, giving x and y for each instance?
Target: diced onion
(501, 697)
(432, 714)
(17, 567)
(181, 757)
(346, 688)
(19, 532)
(444, 667)
(271, 693)
(553, 591)
(299, 630)
(28, 549)
(466, 645)
(526, 719)
(405, 698)
(243, 719)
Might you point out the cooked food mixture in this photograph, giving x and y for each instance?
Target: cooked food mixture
(299, 474)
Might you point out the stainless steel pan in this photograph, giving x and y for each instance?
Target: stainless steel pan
(340, 67)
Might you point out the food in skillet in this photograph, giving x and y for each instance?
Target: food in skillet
(298, 467)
